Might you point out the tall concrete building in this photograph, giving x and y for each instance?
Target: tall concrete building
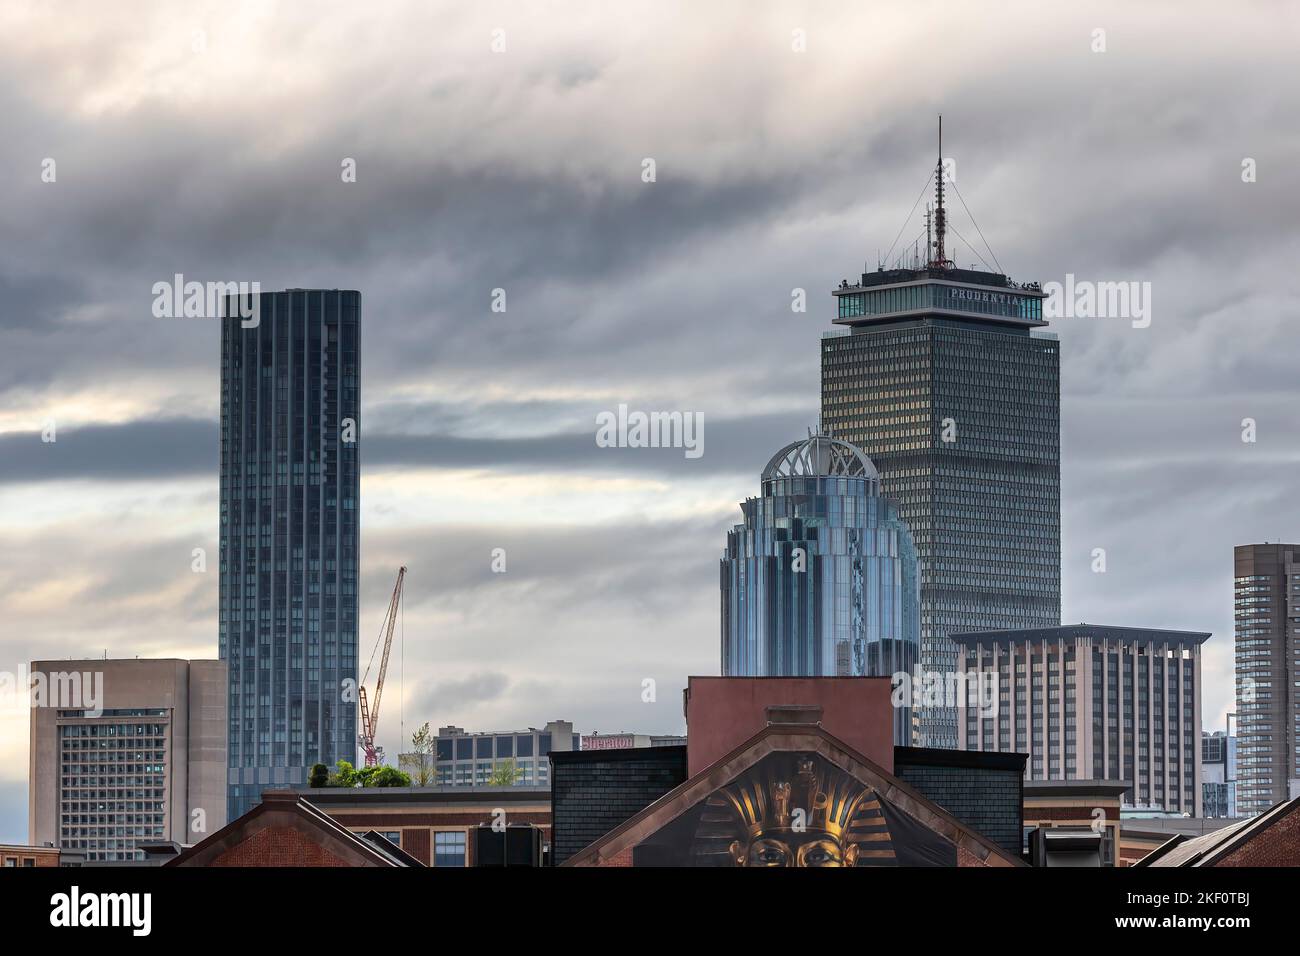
(820, 580)
(1088, 702)
(290, 494)
(125, 752)
(943, 377)
(1266, 613)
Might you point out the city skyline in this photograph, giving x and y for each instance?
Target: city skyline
(672, 295)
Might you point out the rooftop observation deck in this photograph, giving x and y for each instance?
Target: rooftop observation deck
(888, 295)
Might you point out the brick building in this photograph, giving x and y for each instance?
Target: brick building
(18, 855)
(436, 825)
(286, 831)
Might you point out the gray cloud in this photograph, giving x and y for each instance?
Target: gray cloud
(476, 689)
(186, 448)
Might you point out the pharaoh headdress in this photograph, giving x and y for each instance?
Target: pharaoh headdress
(791, 797)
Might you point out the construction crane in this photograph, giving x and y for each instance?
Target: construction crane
(369, 718)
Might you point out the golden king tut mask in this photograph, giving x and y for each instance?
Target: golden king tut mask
(793, 810)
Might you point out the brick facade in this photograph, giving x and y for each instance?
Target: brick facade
(966, 858)
(278, 846)
(1276, 845)
(29, 856)
(417, 842)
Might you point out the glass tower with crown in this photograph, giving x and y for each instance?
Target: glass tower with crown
(821, 578)
(944, 377)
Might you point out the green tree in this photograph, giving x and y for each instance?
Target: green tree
(348, 776)
(387, 777)
(320, 776)
(421, 763)
(344, 776)
(505, 774)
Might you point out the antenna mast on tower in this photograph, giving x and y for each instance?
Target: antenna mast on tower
(940, 260)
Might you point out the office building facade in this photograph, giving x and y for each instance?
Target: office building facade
(821, 578)
(139, 760)
(463, 759)
(1266, 614)
(1219, 775)
(943, 377)
(290, 494)
(1091, 702)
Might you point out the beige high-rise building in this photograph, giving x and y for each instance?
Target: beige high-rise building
(125, 752)
(1090, 702)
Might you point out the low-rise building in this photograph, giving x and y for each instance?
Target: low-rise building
(436, 825)
(20, 855)
(463, 759)
(285, 830)
(1077, 807)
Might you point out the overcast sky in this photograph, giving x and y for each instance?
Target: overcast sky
(207, 139)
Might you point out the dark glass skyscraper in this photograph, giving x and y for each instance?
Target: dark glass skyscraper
(289, 546)
(821, 578)
(942, 379)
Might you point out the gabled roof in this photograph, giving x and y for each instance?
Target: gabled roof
(390, 849)
(287, 810)
(1208, 850)
(781, 738)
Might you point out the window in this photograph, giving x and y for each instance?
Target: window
(449, 848)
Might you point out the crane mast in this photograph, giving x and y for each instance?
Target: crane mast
(369, 717)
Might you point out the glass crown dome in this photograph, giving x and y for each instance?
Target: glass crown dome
(820, 456)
